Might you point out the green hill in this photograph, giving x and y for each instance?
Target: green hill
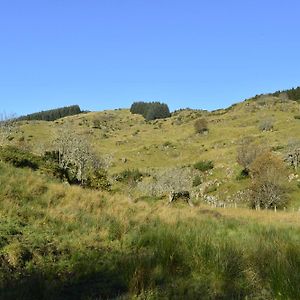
(61, 240)
(127, 141)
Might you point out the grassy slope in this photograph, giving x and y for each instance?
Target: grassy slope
(62, 242)
(144, 144)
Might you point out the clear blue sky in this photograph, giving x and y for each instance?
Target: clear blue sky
(105, 54)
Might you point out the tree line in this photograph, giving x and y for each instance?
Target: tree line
(53, 114)
(151, 110)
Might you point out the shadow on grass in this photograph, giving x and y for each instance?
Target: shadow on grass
(91, 278)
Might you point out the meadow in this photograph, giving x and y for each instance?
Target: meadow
(63, 242)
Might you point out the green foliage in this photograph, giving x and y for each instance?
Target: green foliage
(130, 176)
(197, 180)
(204, 165)
(297, 117)
(19, 158)
(151, 110)
(244, 174)
(98, 180)
(25, 159)
(293, 94)
(69, 243)
(53, 114)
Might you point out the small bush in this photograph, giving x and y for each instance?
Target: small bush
(243, 174)
(23, 159)
(197, 181)
(266, 125)
(247, 153)
(268, 188)
(130, 176)
(19, 158)
(98, 180)
(201, 126)
(204, 165)
(297, 117)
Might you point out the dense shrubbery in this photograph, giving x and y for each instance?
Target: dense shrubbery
(151, 110)
(292, 94)
(204, 165)
(25, 159)
(49, 164)
(53, 114)
(19, 158)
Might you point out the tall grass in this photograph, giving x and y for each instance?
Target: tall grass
(61, 242)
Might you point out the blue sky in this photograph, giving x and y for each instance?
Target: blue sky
(104, 54)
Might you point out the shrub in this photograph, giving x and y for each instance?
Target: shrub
(98, 180)
(204, 165)
(297, 117)
(197, 180)
(201, 126)
(130, 176)
(247, 153)
(24, 159)
(243, 174)
(268, 182)
(266, 125)
(19, 158)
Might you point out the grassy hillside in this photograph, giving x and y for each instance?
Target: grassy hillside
(129, 142)
(63, 242)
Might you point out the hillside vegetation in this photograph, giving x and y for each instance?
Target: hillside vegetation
(84, 214)
(62, 242)
(53, 114)
(127, 141)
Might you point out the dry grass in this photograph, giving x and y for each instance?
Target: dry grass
(142, 144)
(58, 241)
(61, 242)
